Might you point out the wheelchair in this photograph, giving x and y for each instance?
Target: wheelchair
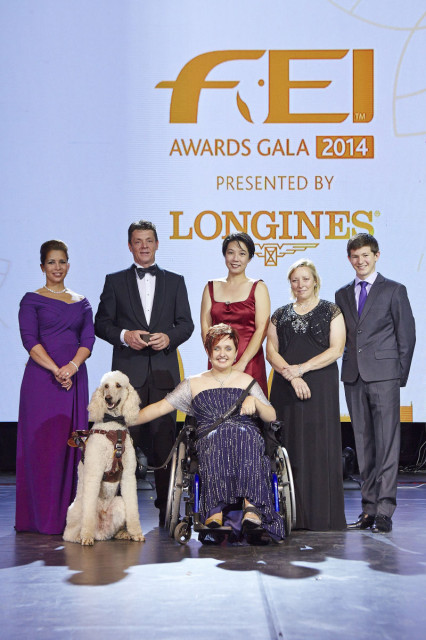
(185, 481)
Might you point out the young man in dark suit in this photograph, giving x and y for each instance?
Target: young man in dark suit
(144, 313)
(380, 339)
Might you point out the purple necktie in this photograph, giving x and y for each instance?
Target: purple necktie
(362, 297)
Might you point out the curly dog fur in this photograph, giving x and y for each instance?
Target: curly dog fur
(97, 512)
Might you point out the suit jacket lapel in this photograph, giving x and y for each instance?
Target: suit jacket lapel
(134, 297)
(350, 295)
(159, 296)
(372, 296)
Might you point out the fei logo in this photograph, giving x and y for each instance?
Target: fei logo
(192, 80)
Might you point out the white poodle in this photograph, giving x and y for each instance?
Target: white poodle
(97, 512)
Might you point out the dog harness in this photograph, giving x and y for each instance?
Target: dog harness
(117, 437)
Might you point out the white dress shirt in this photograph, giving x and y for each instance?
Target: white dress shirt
(146, 287)
(370, 281)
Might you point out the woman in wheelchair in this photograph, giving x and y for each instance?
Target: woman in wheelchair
(234, 470)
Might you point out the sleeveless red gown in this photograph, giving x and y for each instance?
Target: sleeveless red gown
(241, 316)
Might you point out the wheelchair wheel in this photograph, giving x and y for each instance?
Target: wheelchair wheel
(286, 490)
(182, 532)
(175, 489)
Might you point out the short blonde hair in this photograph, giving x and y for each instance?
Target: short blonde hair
(304, 262)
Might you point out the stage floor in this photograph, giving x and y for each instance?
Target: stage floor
(316, 585)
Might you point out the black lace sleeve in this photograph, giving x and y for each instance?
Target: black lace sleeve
(335, 310)
(321, 319)
(277, 315)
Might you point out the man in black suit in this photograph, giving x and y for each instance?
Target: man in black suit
(379, 347)
(144, 313)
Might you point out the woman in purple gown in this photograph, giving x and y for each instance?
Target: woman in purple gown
(57, 330)
(234, 470)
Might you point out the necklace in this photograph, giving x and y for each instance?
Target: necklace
(221, 382)
(52, 291)
(303, 306)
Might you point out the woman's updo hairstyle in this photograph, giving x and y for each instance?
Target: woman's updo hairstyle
(52, 245)
(238, 238)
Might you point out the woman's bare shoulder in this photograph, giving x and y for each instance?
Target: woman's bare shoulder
(199, 379)
(199, 376)
(261, 287)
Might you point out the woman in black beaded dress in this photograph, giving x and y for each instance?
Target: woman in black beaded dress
(305, 338)
(235, 472)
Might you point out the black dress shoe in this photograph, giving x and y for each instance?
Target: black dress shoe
(364, 522)
(382, 524)
(162, 518)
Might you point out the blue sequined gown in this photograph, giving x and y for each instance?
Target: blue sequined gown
(232, 460)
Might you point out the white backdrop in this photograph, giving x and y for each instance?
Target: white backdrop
(88, 146)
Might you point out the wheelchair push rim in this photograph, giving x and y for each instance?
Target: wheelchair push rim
(286, 487)
(175, 489)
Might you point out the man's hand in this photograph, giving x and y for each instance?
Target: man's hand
(134, 341)
(159, 341)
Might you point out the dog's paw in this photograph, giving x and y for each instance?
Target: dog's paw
(87, 541)
(123, 535)
(136, 534)
(138, 537)
(71, 535)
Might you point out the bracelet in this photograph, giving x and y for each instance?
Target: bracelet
(300, 371)
(72, 362)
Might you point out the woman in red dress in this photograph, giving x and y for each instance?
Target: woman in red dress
(241, 302)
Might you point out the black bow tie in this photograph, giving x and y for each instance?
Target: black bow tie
(141, 271)
(110, 418)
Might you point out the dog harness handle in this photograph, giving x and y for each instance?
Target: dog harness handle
(117, 437)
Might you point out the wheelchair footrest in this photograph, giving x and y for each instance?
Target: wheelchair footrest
(202, 527)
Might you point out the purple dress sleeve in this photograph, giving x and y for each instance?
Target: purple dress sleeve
(87, 335)
(28, 323)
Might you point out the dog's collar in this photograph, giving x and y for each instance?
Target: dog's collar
(109, 418)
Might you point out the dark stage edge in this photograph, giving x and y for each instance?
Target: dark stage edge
(337, 585)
